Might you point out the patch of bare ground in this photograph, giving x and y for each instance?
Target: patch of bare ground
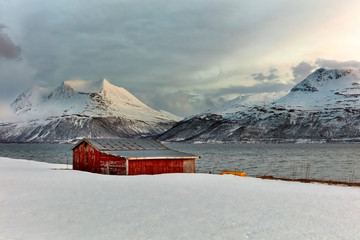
(352, 184)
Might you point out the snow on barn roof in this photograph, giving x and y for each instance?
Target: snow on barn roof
(134, 149)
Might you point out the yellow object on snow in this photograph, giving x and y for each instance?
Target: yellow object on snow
(241, 174)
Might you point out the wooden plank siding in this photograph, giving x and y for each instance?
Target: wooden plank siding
(189, 165)
(87, 158)
(158, 166)
(113, 165)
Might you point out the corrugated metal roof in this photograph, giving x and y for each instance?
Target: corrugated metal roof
(135, 148)
(122, 144)
(151, 154)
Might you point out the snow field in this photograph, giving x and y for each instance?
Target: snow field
(37, 202)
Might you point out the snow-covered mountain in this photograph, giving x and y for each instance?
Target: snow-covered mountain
(323, 107)
(79, 108)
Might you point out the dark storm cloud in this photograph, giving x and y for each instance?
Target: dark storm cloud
(273, 75)
(8, 49)
(301, 71)
(336, 64)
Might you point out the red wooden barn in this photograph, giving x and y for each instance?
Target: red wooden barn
(130, 157)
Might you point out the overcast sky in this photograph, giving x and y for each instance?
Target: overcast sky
(180, 56)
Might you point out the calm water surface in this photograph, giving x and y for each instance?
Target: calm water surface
(318, 161)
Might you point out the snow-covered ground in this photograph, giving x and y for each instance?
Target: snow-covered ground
(37, 202)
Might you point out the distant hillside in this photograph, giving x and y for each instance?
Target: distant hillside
(323, 107)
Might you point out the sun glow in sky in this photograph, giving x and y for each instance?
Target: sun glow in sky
(179, 56)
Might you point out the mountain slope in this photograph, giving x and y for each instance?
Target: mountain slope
(79, 108)
(323, 107)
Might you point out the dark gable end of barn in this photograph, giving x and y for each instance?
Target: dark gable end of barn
(129, 157)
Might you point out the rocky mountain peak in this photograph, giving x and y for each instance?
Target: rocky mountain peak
(324, 107)
(84, 86)
(105, 83)
(99, 98)
(321, 77)
(79, 108)
(325, 89)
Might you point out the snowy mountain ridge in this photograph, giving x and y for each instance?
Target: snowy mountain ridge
(78, 109)
(93, 99)
(325, 88)
(325, 106)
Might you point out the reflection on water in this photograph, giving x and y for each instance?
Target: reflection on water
(319, 161)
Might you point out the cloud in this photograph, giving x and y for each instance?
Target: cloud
(160, 48)
(257, 88)
(337, 64)
(273, 75)
(301, 71)
(15, 78)
(6, 113)
(8, 49)
(180, 103)
(136, 41)
(258, 76)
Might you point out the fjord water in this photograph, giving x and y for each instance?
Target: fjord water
(316, 161)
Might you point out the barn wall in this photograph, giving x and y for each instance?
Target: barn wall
(113, 165)
(76, 156)
(189, 166)
(158, 166)
(87, 158)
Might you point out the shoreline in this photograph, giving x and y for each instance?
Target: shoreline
(302, 180)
